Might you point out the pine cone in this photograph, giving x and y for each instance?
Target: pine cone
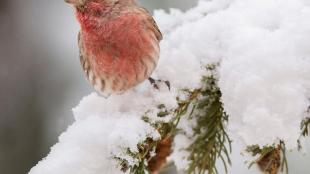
(271, 162)
(163, 150)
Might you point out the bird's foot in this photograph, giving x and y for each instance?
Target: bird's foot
(155, 83)
(105, 95)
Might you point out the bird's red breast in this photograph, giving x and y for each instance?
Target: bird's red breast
(119, 49)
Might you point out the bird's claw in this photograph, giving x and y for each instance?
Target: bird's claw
(155, 83)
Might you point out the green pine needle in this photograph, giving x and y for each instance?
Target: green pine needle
(211, 142)
(305, 126)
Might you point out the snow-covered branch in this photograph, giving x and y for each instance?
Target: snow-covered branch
(263, 51)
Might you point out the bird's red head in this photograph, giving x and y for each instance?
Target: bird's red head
(90, 13)
(85, 3)
(82, 4)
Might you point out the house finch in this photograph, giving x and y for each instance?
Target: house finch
(118, 41)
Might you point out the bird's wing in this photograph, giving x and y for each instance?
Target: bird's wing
(83, 58)
(151, 24)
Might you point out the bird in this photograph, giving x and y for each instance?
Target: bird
(118, 43)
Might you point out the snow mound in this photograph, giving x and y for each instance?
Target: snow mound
(104, 129)
(263, 49)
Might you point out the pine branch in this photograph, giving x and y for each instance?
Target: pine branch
(152, 153)
(211, 142)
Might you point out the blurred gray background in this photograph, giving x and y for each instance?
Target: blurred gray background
(41, 80)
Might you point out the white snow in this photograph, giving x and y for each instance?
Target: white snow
(104, 128)
(263, 47)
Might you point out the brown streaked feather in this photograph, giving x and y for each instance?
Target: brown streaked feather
(83, 61)
(91, 77)
(151, 24)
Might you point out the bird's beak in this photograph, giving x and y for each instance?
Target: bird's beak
(75, 2)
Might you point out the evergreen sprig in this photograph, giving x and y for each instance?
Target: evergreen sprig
(211, 142)
(305, 126)
(147, 147)
(142, 157)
